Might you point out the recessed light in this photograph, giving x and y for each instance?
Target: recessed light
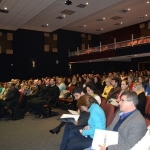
(128, 8)
(103, 18)
(64, 16)
(121, 22)
(84, 25)
(109, 58)
(5, 8)
(146, 15)
(87, 3)
(147, 2)
(135, 55)
(47, 24)
(102, 29)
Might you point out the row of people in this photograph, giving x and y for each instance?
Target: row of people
(128, 122)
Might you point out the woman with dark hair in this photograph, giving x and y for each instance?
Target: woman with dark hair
(81, 139)
(97, 84)
(141, 79)
(130, 81)
(91, 90)
(138, 88)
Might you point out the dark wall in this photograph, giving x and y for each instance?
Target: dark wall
(100, 67)
(28, 46)
(124, 34)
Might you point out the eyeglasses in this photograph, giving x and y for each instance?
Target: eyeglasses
(123, 100)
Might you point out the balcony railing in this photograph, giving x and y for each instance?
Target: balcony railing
(113, 46)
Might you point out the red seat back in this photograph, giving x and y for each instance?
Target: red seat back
(109, 112)
(103, 102)
(147, 107)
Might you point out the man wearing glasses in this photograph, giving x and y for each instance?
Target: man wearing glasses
(128, 122)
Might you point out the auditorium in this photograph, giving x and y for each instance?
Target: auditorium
(84, 59)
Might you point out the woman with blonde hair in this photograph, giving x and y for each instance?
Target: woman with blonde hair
(107, 88)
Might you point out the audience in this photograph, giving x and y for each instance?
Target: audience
(128, 122)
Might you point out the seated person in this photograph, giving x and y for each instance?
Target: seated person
(7, 100)
(124, 87)
(138, 88)
(144, 142)
(107, 88)
(91, 90)
(77, 93)
(61, 84)
(40, 95)
(4, 91)
(115, 90)
(50, 97)
(78, 140)
(128, 122)
(147, 90)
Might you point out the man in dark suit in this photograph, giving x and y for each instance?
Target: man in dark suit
(7, 100)
(50, 97)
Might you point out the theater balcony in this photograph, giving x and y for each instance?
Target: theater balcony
(117, 51)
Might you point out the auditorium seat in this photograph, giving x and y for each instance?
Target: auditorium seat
(49, 108)
(147, 111)
(109, 112)
(103, 102)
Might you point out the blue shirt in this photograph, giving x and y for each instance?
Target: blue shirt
(97, 120)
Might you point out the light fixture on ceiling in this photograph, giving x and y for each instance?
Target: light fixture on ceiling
(68, 2)
(5, 8)
(147, 2)
(129, 9)
(87, 3)
(101, 19)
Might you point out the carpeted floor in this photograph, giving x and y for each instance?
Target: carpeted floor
(30, 133)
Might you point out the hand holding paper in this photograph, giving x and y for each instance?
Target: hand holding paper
(104, 138)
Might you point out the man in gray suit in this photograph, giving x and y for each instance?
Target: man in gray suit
(129, 123)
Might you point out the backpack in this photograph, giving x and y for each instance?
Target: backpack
(17, 113)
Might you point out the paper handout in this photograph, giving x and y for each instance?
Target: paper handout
(73, 112)
(69, 118)
(104, 137)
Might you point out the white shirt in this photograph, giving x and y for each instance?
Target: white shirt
(144, 143)
(97, 97)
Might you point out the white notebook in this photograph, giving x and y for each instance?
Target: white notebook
(104, 137)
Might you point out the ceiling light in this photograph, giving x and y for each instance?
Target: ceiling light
(5, 8)
(100, 19)
(87, 3)
(121, 22)
(147, 2)
(123, 11)
(128, 8)
(102, 29)
(84, 25)
(68, 2)
(146, 15)
(47, 24)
